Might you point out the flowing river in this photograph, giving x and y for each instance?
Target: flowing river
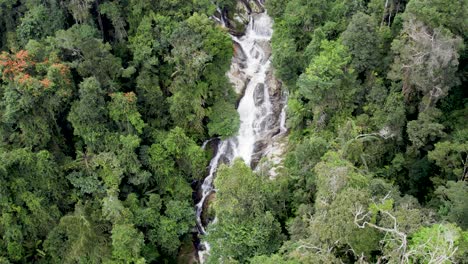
(261, 110)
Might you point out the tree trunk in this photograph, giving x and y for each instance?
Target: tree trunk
(384, 13)
(101, 26)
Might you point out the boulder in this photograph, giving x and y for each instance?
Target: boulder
(259, 94)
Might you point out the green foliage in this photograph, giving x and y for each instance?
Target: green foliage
(246, 225)
(362, 40)
(104, 105)
(328, 80)
(451, 156)
(35, 88)
(123, 110)
(126, 244)
(287, 60)
(273, 259)
(453, 200)
(79, 237)
(196, 79)
(88, 115)
(425, 129)
(300, 163)
(113, 10)
(31, 200)
(80, 45)
(112, 148)
(224, 120)
(371, 118)
(80, 10)
(438, 13)
(391, 118)
(39, 22)
(186, 153)
(444, 242)
(175, 223)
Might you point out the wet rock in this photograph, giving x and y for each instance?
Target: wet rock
(246, 4)
(239, 54)
(201, 247)
(197, 192)
(274, 84)
(236, 74)
(238, 79)
(224, 160)
(208, 213)
(276, 93)
(260, 145)
(238, 19)
(255, 6)
(266, 48)
(212, 146)
(187, 252)
(259, 94)
(258, 152)
(269, 122)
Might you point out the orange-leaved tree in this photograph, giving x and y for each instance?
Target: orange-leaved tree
(34, 90)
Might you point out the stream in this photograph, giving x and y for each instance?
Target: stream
(261, 111)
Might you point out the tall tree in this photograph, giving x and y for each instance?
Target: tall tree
(426, 62)
(36, 87)
(363, 42)
(246, 225)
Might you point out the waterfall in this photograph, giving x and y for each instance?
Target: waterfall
(261, 109)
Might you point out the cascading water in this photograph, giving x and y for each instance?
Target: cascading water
(261, 108)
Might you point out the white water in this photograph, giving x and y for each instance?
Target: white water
(250, 68)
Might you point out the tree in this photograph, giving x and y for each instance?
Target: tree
(113, 10)
(123, 110)
(167, 218)
(32, 199)
(80, 10)
(79, 237)
(300, 163)
(425, 129)
(363, 42)
(390, 116)
(452, 156)
(224, 120)
(328, 83)
(287, 59)
(438, 13)
(39, 22)
(143, 43)
(85, 50)
(453, 200)
(276, 7)
(339, 189)
(196, 81)
(426, 61)
(273, 259)
(189, 157)
(37, 86)
(439, 243)
(246, 225)
(175, 223)
(397, 217)
(88, 115)
(127, 243)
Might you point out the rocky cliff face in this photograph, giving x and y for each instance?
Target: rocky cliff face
(236, 20)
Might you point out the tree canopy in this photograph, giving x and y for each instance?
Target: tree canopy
(104, 107)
